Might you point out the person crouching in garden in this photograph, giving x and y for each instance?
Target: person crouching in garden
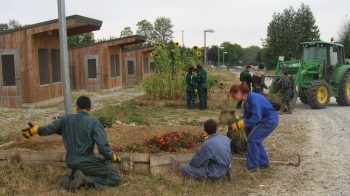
(202, 87)
(213, 160)
(260, 118)
(191, 90)
(80, 133)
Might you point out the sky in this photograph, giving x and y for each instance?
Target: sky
(238, 21)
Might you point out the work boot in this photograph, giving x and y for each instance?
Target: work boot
(66, 181)
(67, 178)
(229, 175)
(201, 104)
(289, 111)
(193, 104)
(79, 180)
(282, 109)
(205, 104)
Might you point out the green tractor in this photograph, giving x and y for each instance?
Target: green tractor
(321, 74)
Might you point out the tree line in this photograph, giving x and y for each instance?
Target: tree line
(285, 32)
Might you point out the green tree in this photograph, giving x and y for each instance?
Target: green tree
(145, 28)
(234, 54)
(344, 36)
(212, 54)
(126, 32)
(285, 33)
(250, 55)
(163, 30)
(81, 40)
(304, 28)
(12, 24)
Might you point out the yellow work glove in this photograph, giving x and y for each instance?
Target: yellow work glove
(30, 130)
(116, 158)
(238, 124)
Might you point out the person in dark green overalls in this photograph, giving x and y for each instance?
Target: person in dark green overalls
(202, 87)
(80, 133)
(286, 92)
(246, 78)
(191, 90)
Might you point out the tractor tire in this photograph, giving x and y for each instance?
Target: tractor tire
(318, 94)
(304, 100)
(343, 98)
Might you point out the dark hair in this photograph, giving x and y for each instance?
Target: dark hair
(285, 73)
(199, 66)
(248, 67)
(243, 88)
(210, 126)
(261, 66)
(84, 103)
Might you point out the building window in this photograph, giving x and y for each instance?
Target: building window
(145, 65)
(92, 68)
(8, 70)
(55, 63)
(152, 66)
(115, 67)
(131, 67)
(44, 66)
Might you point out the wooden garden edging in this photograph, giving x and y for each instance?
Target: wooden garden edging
(141, 163)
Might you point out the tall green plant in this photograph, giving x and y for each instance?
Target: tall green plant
(171, 64)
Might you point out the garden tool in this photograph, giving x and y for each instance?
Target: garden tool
(291, 163)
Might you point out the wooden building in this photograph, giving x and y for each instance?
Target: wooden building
(102, 65)
(138, 64)
(30, 69)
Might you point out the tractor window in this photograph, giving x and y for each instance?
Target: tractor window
(333, 56)
(315, 53)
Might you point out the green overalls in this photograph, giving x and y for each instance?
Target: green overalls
(191, 82)
(286, 91)
(202, 88)
(80, 133)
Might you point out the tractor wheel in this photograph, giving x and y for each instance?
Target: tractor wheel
(318, 94)
(304, 100)
(343, 98)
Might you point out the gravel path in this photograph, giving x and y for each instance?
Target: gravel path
(325, 168)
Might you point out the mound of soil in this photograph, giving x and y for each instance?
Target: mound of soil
(118, 135)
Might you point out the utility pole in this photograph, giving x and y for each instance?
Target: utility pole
(223, 57)
(183, 39)
(205, 45)
(64, 56)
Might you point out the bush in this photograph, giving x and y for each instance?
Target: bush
(127, 113)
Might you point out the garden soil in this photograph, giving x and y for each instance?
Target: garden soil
(118, 135)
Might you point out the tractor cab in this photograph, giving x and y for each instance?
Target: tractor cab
(321, 73)
(331, 54)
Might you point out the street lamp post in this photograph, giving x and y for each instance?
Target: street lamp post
(223, 57)
(219, 54)
(205, 44)
(64, 56)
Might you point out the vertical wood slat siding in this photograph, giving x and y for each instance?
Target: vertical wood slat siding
(26, 42)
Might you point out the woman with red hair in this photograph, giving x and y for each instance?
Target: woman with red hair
(260, 118)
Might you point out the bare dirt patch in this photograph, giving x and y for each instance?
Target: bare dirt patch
(118, 135)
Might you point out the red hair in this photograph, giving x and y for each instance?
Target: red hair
(243, 88)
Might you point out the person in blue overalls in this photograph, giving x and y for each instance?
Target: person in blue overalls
(260, 119)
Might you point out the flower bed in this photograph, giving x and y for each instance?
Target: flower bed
(168, 142)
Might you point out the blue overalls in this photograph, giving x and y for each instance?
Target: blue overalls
(212, 161)
(260, 119)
